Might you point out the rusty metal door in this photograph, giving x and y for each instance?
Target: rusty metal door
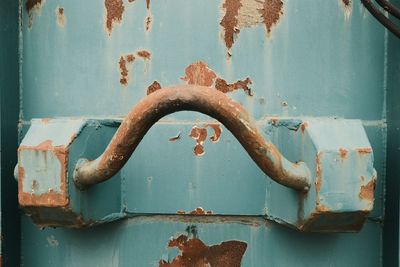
(199, 133)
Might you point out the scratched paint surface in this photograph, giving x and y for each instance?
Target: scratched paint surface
(299, 69)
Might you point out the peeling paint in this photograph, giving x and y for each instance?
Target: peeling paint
(199, 73)
(175, 138)
(367, 191)
(239, 14)
(223, 86)
(114, 12)
(199, 135)
(60, 16)
(217, 131)
(153, 87)
(195, 252)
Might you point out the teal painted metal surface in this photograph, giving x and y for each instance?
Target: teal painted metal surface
(320, 60)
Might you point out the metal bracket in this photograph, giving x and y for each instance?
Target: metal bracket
(336, 152)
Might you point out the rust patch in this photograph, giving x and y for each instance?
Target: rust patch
(367, 191)
(198, 211)
(343, 153)
(223, 86)
(130, 58)
(114, 12)
(217, 131)
(124, 71)
(271, 12)
(144, 54)
(153, 87)
(200, 74)
(230, 22)
(346, 2)
(239, 14)
(51, 198)
(123, 68)
(364, 150)
(60, 16)
(199, 135)
(195, 253)
(131, 1)
(175, 138)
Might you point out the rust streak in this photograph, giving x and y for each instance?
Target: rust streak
(114, 11)
(223, 86)
(346, 2)
(303, 127)
(195, 253)
(367, 191)
(148, 4)
(230, 22)
(199, 73)
(153, 87)
(271, 12)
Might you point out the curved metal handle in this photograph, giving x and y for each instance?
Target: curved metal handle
(194, 98)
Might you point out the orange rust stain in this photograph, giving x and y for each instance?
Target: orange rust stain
(153, 87)
(46, 120)
(199, 73)
(217, 131)
(318, 184)
(144, 54)
(343, 153)
(230, 22)
(148, 4)
(181, 212)
(274, 121)
(364, 150)
(131, 1)
(223, 86)
(318, 164)
(271, 12)
(195, 253)
(175, 138)
(367, 191)
(199, 135)
(114, 11)
(49, 199)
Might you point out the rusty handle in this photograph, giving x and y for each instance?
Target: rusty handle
(194, 98)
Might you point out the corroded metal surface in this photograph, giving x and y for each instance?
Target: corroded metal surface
(195, 98)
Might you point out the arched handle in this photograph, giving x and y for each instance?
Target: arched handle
(193, 98)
